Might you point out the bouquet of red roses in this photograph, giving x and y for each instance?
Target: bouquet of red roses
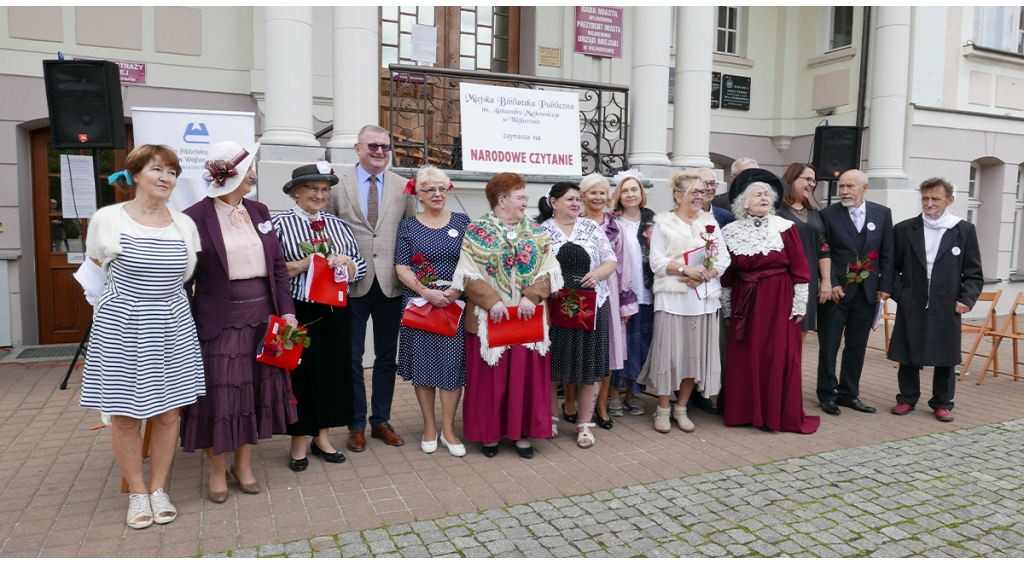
(859, 270)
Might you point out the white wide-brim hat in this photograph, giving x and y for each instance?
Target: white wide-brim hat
(226, 166)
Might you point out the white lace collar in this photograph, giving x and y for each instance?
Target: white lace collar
(311, 217)
(755, 235)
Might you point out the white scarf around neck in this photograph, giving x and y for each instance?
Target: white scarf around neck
(945, 221)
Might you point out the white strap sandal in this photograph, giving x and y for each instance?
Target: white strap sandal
(585, 434)
(554, 426)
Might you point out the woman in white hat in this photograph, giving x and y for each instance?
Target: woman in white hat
(240, 279)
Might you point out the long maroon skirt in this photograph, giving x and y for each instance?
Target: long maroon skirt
(245, 400)
(512, 398)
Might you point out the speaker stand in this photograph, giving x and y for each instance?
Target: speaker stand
(74, 360)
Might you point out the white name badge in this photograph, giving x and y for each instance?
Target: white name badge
(871, 226)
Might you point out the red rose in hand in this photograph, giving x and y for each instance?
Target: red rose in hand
(318, 225)
(872, 255)
(418, 258)
(709, 228)
(272, 349)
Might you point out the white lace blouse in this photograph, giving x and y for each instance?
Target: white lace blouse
(589, 235)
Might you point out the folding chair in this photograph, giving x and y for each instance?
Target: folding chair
(983, 329)
(1009, 331)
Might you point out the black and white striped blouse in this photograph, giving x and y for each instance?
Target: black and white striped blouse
(293, 227)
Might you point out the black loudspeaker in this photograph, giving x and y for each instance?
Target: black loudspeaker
(84, 99)
(835, 150)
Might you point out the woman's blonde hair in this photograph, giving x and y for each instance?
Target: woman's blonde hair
(431, 173)
(616, 202)
(594, 180)
(685, 182)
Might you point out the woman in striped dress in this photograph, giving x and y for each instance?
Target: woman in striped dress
(143, 361)
(322, 384)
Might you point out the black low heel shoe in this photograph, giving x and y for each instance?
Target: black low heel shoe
(333, 457)
(490, 451)
(525, 452)
(605, 424)
(570, 418)
(298, 465)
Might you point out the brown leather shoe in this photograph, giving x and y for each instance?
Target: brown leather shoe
(356, 441)
(386, 433)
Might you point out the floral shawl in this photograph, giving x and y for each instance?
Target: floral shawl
(508, 266)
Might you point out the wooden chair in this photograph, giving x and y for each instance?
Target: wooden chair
(1009, 331)
(982, 330)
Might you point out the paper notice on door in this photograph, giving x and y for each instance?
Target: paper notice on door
(77, 186)
(424, 44)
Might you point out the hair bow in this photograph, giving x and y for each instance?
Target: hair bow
(121, 173)
(410, 187)
(624, 174)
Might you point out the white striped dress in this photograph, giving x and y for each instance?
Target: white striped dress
(294, 226)
(144, 356)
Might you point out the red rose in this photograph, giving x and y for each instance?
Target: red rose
(872, 255)
(418, 258)
(319, 225)
(709, 228)
(271, 349)
(824, 247)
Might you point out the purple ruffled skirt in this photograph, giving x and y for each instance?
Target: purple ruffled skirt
(245, 400)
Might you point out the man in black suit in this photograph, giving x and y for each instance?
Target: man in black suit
(938, 278)
(860, 237)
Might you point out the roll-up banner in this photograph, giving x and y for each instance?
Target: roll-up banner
(190, 133)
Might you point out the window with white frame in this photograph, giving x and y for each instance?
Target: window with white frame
(727, 30)
(1018, 215)
(973, 202)
(999, 27)
(840, 28)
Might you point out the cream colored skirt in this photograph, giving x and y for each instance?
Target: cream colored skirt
(684, 346)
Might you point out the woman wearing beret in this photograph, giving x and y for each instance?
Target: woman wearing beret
(240, 280)
(322, 383)
(144, 251)
(425, 257)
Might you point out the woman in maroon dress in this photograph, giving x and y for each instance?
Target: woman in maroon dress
(766, 291)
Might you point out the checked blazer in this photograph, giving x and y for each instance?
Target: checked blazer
(376, 242)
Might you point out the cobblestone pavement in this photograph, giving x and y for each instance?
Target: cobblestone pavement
(955, 494)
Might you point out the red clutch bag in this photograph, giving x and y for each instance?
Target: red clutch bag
(515, 331)
(574, 309)
(274, 351)
(443, 321)
(324, 285)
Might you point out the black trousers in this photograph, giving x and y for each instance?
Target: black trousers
(855, 319)
(943, 386)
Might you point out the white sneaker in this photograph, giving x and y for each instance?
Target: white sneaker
(454, 450)
(163, 510)
(140, 513)
(662, 423)
(429, 447)
(679, 414)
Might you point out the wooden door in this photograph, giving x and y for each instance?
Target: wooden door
(477, 38)
(63, 312)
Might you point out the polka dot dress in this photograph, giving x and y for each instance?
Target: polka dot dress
(578, 356)
(425, 358)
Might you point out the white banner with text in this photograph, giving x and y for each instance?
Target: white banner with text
(190, 133)
(519, 130)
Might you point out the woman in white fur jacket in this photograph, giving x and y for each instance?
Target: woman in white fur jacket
(684, 351)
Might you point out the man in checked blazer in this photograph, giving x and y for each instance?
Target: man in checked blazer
(370, 200)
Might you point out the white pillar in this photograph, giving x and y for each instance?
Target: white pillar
(691, 127)
(356, 75)
(288, 37)
(648, 104)
(889, 92)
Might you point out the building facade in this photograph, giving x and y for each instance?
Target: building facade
(939, 92)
